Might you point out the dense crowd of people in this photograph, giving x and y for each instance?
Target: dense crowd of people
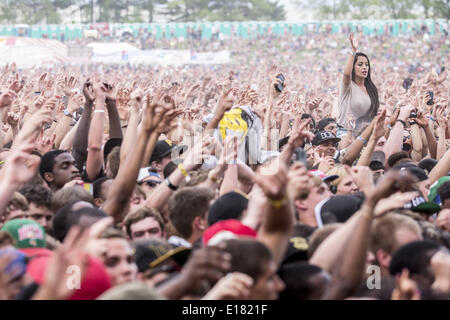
(305, 169)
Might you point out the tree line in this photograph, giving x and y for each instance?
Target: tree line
(138, 11)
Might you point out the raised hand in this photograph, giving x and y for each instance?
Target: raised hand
(44, 143)
(198, 152)
(273, 180)
(299, 133)
(154, 111)
(395, 201)
(379, 128)
(325, 162)
(70, 253)
(225, 102)
(274, 94)
(392, 182)
(88, 92)
(34, 124)
(353, 42)
(234, 286)
(210, 263)
(12, 119)
(75, 102)
(299, 181)
(440, 118)
(314, 103)
(405, 288)
(21, 166)
(69, 84)
(422, 120)
(7, 97)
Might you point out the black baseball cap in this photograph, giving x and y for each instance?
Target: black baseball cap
(322, 136)
(164, 148)
(151, 253)
(110, 145)
(338, 208)
(229, 206)
(419, 173)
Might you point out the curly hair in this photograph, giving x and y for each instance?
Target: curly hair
(39, 195)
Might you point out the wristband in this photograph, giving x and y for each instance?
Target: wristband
(67, 113)
(402, 122)
(171, 186)
(213, 178)
(184, 172)
(277, 204)
(389, 126)
(99, 111)
(362, 139)
(412, 123)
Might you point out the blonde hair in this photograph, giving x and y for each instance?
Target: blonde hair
(338, 170)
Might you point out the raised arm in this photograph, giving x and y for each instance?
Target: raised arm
(296, 139)
(357, 145)
(94, 161)
(395, 141)
(132, 125)
(347, 78)
(349, 268)
(80, 143)
(441, 130)
(192, 161)
(125, 182)
(67, 142)
(230, 180)
(416, 140)
(377, 133)
(279, 218)
(115, 129)
(431, 140)
(224, 104)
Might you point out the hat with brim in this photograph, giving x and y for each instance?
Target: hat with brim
(433, 194)
(178, 254)
(323, 136)
(110, 145)
(418, 204)
(323, 176)
(164, 148)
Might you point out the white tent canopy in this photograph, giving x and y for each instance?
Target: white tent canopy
(27, 52)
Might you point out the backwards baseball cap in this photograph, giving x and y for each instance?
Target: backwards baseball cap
(110, 145)
(145, 173)
(433, 195)
(337, 209)
(229, 206)
(151, 253)
(164, 148)
(419, 173)
(94, 283)
(26, 233)
(297, 250)
(226, 229)
(17, 265)
(322, 136)
(418, 204)
(323, 176)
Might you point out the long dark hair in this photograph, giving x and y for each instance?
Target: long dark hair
(370, 87)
